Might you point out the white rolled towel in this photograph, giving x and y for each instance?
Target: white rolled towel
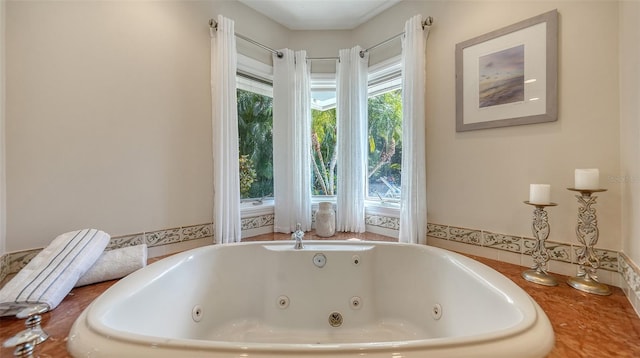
(53, 272)
(114, 264)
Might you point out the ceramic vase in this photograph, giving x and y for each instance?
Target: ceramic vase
(325, 220)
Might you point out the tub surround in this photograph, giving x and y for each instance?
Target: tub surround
(585, 325)
(160, 242)
(616, 268)
(168, 241)
(518, 249)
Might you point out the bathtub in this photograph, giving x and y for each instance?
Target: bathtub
(330, 299)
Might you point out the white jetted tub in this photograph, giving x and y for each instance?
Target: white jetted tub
(330, 299)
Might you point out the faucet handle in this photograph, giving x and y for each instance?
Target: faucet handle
(26, 336)
(32, 310)
(32, 323)
(298, 227)
(24, 351)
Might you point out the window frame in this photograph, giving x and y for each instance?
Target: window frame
(383, 77)
(256, 77)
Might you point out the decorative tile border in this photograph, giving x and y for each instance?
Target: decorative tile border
(13, 262)
(466, 236)
(124, 241)
(608, 260)
(631, 275)
(502, 242)
(558, 251)
(20, 259)
(439, 231)
(386, 222)
(4, 267)
(196, 232)
(163, 237)
(561, 252)
(256, 222)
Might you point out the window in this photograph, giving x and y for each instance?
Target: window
(255, 124)
(384, 133)
(255, 139)
(385, 146)
(323, 142)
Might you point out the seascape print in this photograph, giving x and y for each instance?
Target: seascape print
(502, 77)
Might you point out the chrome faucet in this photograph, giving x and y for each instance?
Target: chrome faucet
(298, 235)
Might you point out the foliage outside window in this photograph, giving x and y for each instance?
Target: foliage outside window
(324, 145)
(255, 125)
(385, 145)
(247, 174)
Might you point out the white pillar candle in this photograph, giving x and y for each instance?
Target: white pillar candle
(588, 179)
(540, 194)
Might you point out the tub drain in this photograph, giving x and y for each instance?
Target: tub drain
(335, 319)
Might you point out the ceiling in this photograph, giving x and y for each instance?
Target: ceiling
(320, 14)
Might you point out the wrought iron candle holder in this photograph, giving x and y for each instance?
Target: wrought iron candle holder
(541, 229)
(587, 232)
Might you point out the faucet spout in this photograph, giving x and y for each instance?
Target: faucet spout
(298, 235)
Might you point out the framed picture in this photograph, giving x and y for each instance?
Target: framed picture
(509, 76)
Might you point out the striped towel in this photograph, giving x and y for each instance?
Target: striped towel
(49, 276)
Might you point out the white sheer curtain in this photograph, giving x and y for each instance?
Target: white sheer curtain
(413, 202)
(351, 93)
(224, 111)
(291, 141)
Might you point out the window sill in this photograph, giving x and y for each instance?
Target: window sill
(251, 208)
(381, 208)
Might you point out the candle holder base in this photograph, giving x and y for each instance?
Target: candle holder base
(540, 278)
(587, 232)
(588, 285)
(541, 229)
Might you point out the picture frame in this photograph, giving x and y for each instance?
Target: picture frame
(509, 76)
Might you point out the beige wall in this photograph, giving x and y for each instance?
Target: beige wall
(108, 114)
(630, 126)
(3, 225)
(321, 44)
(479, 179)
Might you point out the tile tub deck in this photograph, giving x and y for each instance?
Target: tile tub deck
(585, 325)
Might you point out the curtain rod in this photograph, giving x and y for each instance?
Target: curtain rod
(426, 23)
(214, 25)
(323, 58)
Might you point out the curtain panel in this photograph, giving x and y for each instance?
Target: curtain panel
(351, 94)
(413, 199)
(224, 112)
(291, 141)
